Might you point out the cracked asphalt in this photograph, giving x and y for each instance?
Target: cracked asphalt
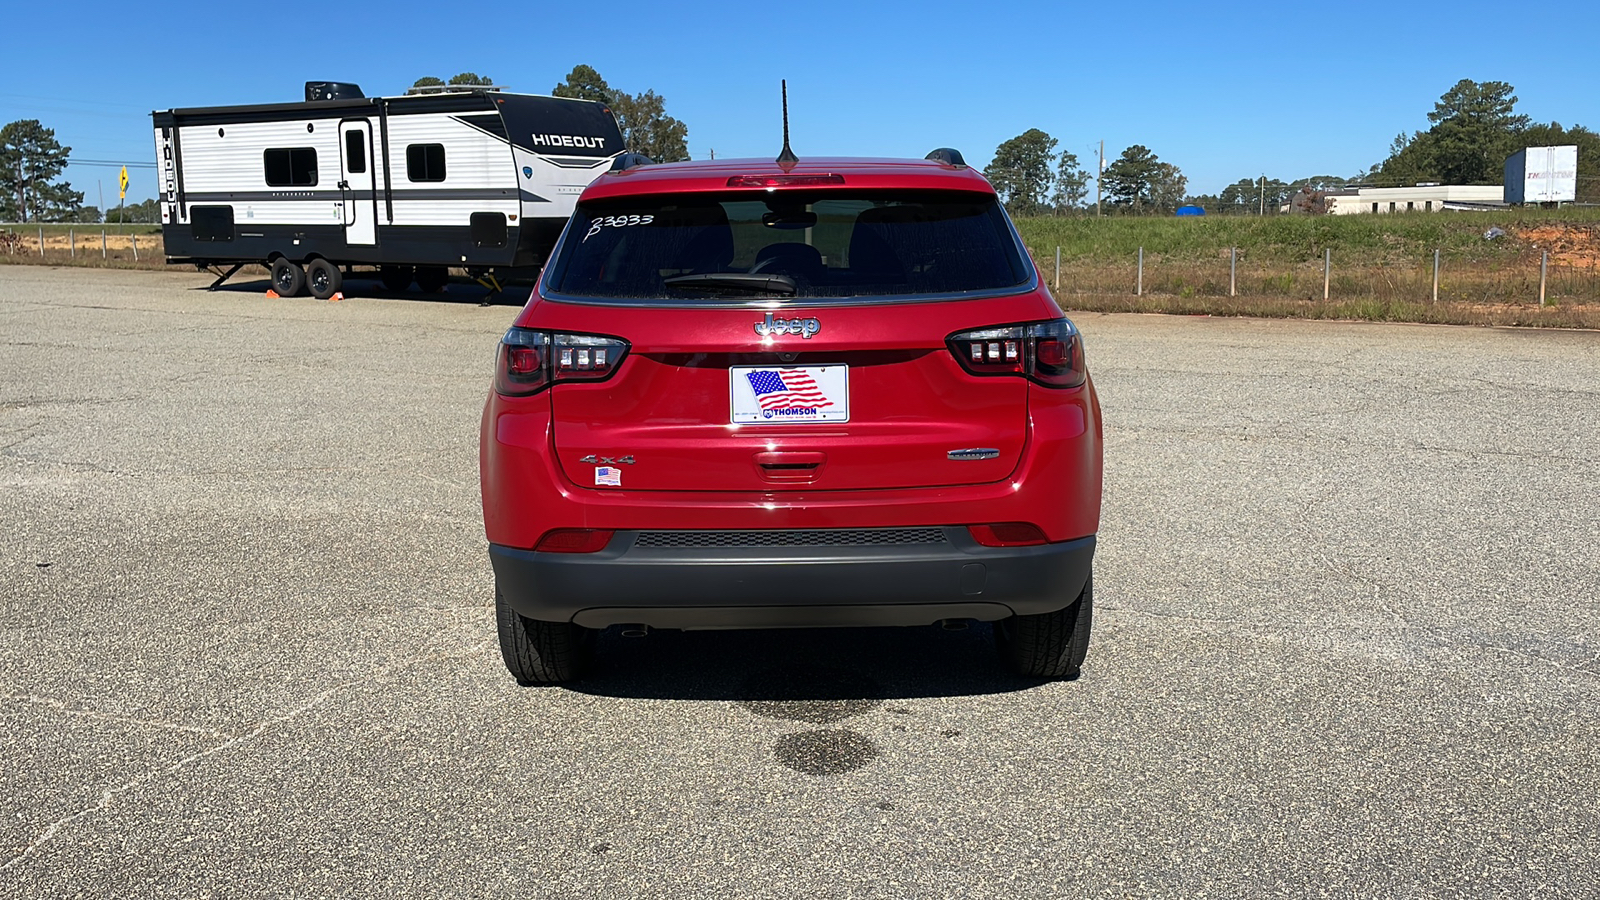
(1346, 635)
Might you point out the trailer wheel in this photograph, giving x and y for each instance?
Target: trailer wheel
(323, 278)
(432, 279)
(396, 278)
(287, 278)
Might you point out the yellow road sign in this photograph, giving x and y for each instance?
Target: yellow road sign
(122, 182)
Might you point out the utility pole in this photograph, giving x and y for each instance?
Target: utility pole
(1263, 195)
(1101, 174)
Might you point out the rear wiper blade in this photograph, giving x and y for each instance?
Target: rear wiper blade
(734, 281)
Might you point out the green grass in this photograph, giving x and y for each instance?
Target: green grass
(1382, 264)
(1361, 309)
(31, 229)
(1362, 239)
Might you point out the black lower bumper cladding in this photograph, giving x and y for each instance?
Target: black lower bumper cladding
(683, 580)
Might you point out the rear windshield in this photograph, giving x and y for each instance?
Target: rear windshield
(819, 244)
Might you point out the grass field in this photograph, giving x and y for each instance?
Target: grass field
(1378, 261)
(81, 244)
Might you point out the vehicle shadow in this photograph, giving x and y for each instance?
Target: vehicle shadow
(824, 673)
(358, 285)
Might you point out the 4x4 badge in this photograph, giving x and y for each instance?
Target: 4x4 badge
(775, 326)
(607, 460)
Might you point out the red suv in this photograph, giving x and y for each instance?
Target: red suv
(751, 394)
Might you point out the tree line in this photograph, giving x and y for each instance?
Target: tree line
(31, 161)
(1474, 128)
(1033, 179)
(642, 118)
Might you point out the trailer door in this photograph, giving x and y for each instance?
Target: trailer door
(357, 191)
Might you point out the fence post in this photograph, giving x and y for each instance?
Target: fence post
(1138, 290)
(102, 242)
(72, 242)
(1058, 267)
(41, 240)
(1233, 271)
(135, 247)
(1436, 274)
(1327, 269)
(1544, 266)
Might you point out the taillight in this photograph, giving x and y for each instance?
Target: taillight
(1049, 353)
(532, 360)
(574, 540)
(773, 181)
(1007, 534)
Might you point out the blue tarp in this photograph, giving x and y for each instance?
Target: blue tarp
(1191, 210)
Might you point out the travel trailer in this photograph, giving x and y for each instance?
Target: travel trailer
(466, 177)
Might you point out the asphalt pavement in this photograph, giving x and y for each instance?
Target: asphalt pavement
(1346, 636)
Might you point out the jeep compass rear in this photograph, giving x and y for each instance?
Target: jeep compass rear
(755, 395)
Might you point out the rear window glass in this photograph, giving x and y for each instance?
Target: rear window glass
(838, 244)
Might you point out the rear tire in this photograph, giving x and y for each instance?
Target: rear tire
(539, 652)
(1051, 645)
(323, 278)
(432, 279)
(396, 278)
(287, 278)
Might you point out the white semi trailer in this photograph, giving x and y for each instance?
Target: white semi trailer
(1542, 175)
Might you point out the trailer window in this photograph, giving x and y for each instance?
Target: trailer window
(291, 166)
(355, 151)
(425, 162)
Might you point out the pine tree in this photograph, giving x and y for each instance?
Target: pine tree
(1071, 183)
(646, 127)
(584, 83)
(1020, 171)
(30, 160)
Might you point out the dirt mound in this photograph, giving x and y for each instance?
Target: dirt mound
(1570, 243)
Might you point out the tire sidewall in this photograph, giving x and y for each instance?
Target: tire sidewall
(288, 279)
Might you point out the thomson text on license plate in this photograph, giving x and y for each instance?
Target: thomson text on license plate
(773, 395)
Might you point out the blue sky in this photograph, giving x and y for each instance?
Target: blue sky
(1224, 91)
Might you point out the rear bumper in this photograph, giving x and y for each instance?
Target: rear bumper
(775, 587)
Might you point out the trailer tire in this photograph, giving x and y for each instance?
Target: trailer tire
(396, 278)
(288, 279)
(323, 278)
(432, 279)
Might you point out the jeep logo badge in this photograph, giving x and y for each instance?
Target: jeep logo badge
(803, 327)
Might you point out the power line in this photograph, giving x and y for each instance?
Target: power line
(110, 162)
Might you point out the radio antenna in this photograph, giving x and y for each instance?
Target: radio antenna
(787, 157)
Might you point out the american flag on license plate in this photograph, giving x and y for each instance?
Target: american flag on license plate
(787, 389)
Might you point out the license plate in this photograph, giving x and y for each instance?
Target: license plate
(788, 395)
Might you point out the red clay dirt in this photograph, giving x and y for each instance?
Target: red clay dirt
(1572, 244)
